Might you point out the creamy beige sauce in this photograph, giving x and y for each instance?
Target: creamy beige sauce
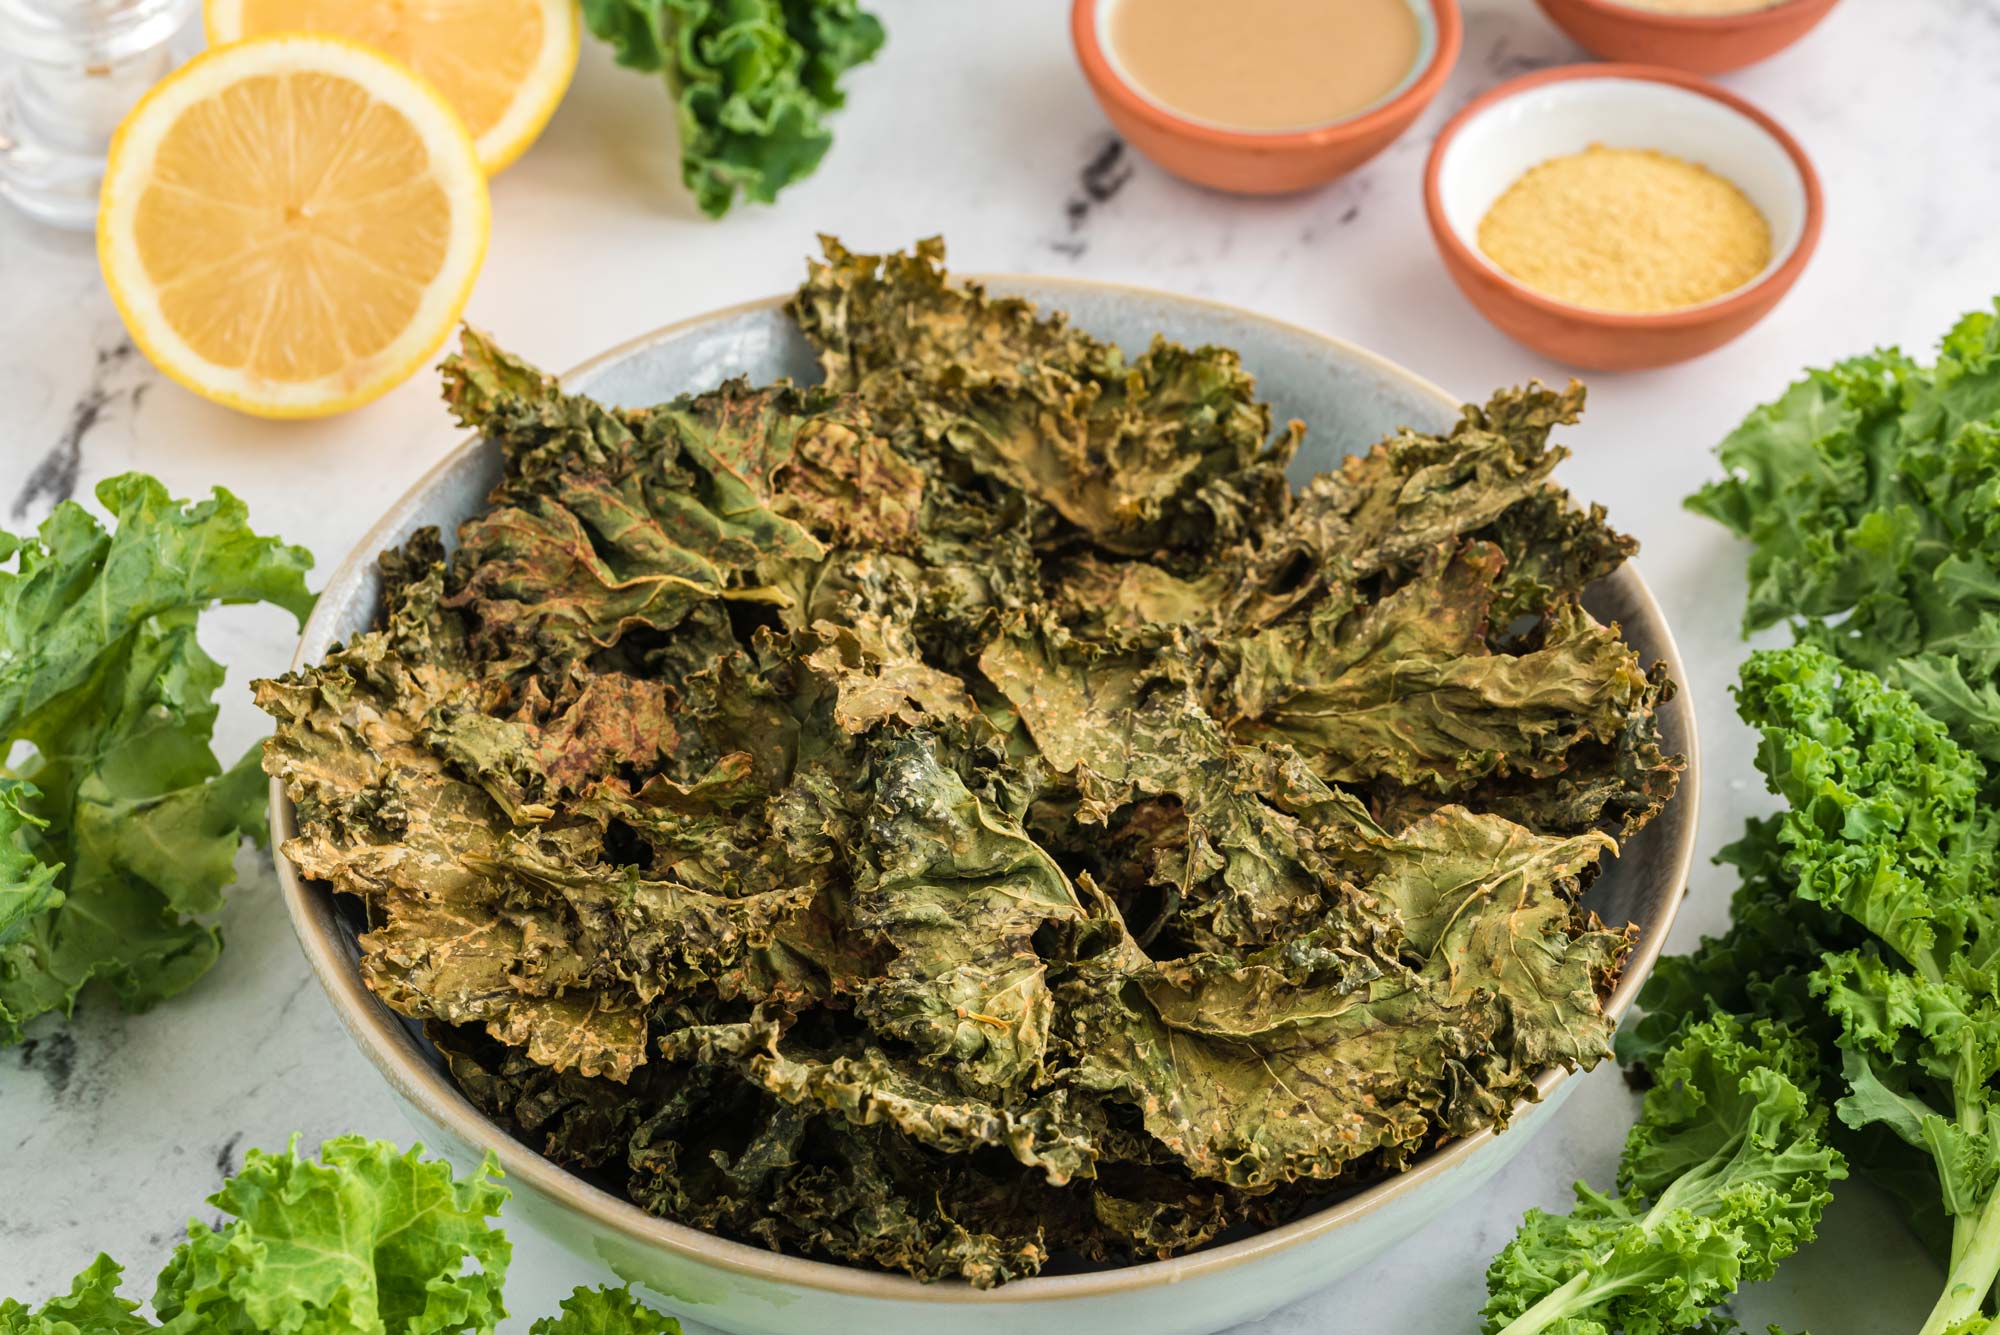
(1264, 64)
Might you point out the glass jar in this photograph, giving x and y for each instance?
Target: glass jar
(69, 71)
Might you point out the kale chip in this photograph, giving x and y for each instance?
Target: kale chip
(974, 813)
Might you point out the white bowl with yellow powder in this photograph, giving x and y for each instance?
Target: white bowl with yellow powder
(1619, 216)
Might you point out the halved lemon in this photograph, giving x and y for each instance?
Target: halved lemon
(504, 64)
(291, 225)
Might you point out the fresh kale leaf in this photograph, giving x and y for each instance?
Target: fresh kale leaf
(604, 1312)
(1871, 494)
(1866, 916)
(1888, 826)
(1725, 1174)
(27, 884)
(752, 81)
(91, 1307)
(118, 826)
(366, 1238)
(379, 1239)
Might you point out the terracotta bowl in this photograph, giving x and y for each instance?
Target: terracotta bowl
(1348, 398)
(1486, 148)
(1702, 43)
(1272, 162)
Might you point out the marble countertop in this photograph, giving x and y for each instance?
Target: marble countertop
(113, 1129)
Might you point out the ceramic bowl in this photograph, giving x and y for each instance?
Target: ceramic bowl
(1489, 145)
(1252, 162)
(1700, 43)
(1350, 399)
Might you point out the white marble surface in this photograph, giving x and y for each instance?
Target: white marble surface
(978, 126)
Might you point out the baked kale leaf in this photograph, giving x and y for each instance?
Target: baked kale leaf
(974, 811)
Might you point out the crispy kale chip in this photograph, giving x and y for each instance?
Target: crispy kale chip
(1724, 1175)
(365, 1238)
(118, 826)
(974, 812)
(752, 81)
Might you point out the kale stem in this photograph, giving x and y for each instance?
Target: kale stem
(1550, 1309)
(1975, 1265)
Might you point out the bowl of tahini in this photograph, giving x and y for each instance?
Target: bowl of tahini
(1619, 217)
(1700, 36)
(1264, 97)
(1348, 399)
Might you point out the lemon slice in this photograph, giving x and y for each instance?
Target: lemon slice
(504, 64)
(291, 225)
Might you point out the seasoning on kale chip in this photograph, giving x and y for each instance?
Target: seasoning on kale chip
(976, 812)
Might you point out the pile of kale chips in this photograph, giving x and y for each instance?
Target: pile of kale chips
(976, 811)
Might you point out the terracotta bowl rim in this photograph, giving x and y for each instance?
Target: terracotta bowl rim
(1106, 79)
(1464, 252)
(388, 1045)
(1771, 16)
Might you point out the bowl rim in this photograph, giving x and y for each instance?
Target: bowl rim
(1743, 20)
(381, 1036)
(1462, 251)
(1105, 77)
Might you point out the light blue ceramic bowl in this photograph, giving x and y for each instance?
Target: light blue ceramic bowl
(1349, 399)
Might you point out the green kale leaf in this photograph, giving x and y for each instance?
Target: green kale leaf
(752, 81)
(1870, 492)
(1887, 825)
(91, 1307)
(367, 1239)
(118, 826)
(27, 884)
(1725, 1174)
(604, 1312)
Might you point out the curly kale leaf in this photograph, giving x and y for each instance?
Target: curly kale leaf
(27, 884)
(91, 1307)
(1888, 827)
(752, 80)
(366, 1238)
(381, 1239)
(604, 1312)
(1725, 1174)
(118, 826)
(1886, 824)
(1761, 965)
(1869, 492)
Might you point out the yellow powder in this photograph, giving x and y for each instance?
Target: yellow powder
(1700, 7)
(1626, 229)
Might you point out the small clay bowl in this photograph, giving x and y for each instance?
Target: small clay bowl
(1702, 43)
(1486, 148)
(1263, 162)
